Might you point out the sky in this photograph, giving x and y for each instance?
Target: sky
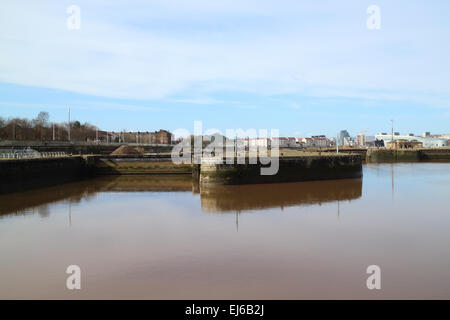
(303, 67)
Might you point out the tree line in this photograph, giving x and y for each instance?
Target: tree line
(40, 128)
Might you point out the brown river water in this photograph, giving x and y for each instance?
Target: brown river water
(163, 237)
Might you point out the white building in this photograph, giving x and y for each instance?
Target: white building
(361, 140)
(259, 142)
(316, 141)
(427, 141)
(292, 142)
(307, 142)
(284, 142)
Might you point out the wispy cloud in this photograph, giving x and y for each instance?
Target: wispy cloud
(84, 105)
(112, 106)
(30, 105)
(203, 101)
(161, 49)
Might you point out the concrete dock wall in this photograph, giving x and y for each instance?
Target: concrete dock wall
(291, 169)
(24, 174)
(407, 155)
(126, 165)
(389, 155)
(435, 154)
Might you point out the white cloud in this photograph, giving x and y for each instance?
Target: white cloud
(202, 101)
(161, 49)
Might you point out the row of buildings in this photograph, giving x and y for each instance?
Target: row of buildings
(426, 140)
(155, 137)
(290, 142)
(394, 140)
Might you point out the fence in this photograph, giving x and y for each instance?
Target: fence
(31, 155)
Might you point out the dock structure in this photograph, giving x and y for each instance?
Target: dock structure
(289, 169)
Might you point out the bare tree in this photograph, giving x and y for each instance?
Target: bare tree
(42, 118)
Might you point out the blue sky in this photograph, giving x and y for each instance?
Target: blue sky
(301, 67)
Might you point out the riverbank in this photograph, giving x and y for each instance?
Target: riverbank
(24, 174)
(294, 165)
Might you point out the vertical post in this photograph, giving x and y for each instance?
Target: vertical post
(392, 137)
(53, 129)
(96, 134)
(235, 147)
(337, 143)
(69, 124)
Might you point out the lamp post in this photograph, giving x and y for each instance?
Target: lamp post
(337, 143)
(392, 132)
(69, 125)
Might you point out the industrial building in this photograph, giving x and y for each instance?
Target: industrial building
(344, 138)
(426, 140)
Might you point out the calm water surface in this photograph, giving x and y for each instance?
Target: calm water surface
(164, 238)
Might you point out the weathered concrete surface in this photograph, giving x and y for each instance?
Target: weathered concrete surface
(435, 154)
(407, 155)
(23, 174)
(120, 166)
(389, 155)
(291, 169)
(152, 164)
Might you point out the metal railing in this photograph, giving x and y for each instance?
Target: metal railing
(31, 155)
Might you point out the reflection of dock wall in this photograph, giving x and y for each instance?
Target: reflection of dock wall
(291, 169)
(21, 202)
(226, 198)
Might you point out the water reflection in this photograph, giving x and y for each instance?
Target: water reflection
(38, 200)
(133, 241)
(213, 198)
(262, 196)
